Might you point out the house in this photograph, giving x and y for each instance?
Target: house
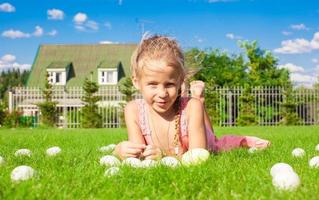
(69, 65)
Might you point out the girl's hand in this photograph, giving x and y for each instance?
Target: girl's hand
(128, 149)
(152, 152)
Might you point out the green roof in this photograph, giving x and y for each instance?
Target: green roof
(112, 63)
(84, 59)
(59, 65)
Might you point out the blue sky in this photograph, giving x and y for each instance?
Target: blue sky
(288, 28)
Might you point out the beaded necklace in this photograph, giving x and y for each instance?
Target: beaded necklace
(177, 130)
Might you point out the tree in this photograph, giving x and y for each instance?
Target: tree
(247, 112)
(48, 107)
(90, 116)
(316, 85)
(125, 87)
(289, 105)
(262, 67)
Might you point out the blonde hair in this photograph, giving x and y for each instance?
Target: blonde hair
(157, 47)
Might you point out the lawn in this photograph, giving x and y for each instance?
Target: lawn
(77, 174)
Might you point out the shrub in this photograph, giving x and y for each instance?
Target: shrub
(90, 116)
(2, 113)
(247, 115)
(11, 120)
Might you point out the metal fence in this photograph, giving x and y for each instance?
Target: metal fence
(225, 105)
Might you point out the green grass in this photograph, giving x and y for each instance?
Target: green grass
(76, 173)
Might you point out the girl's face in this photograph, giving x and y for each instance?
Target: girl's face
(159, 85)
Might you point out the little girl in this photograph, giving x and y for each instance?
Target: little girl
(165, 122)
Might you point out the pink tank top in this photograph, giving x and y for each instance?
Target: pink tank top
(183, 134)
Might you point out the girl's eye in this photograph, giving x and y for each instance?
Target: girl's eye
(170, 84)
(152, 85)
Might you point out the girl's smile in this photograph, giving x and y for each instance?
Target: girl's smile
(159, 85)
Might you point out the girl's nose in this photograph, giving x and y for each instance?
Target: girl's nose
(162, 92)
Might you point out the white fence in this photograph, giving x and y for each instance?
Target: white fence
(224, 103)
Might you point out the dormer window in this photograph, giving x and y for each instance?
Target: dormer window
(107, 76)
(58, 72)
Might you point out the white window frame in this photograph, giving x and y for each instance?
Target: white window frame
(103, 76)
(52, 76)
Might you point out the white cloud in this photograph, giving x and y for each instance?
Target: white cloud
(80, 18)
(53, 32)
(292, 68)
(303, 79)
(299, 45)
(315, 60)
(38, 31)
(79, 27)
(108, 42)
(6, 7)
(108, 25)
(286, 33)
(299, 27)
(92, 25)
(55, 14)
(7, 62)
(82, 23)
(232, 36)
(13, 34)
(8, 58)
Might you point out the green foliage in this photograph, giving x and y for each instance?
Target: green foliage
(11, 120)
(266, 113)
(254, 67)
(48, 107)
(262, 67)
(2, 113)
(12, 78)
(220, 69)
(125, 87)
(90, 116)
(247, 115)
(211, 103)
(289, 105)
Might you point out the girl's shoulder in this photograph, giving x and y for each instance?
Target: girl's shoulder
(133, 106)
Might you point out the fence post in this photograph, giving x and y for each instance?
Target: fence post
(10, 103)
(64, 109)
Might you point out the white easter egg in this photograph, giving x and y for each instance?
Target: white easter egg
(148, 163)
(170, 162)
(314, 162)
(298, 152)
(252, 150)
(22, 173)
(133, 162)
(195, 156)
(107, 148)
(317, 147)
(279, 168)
(111, 171)
(2, 161)
(23, 152)
(110, 161)
(53, 151)
(288, 180)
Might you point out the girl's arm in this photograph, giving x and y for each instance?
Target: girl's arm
(131, 120)
(196, 124)
(135, 144)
